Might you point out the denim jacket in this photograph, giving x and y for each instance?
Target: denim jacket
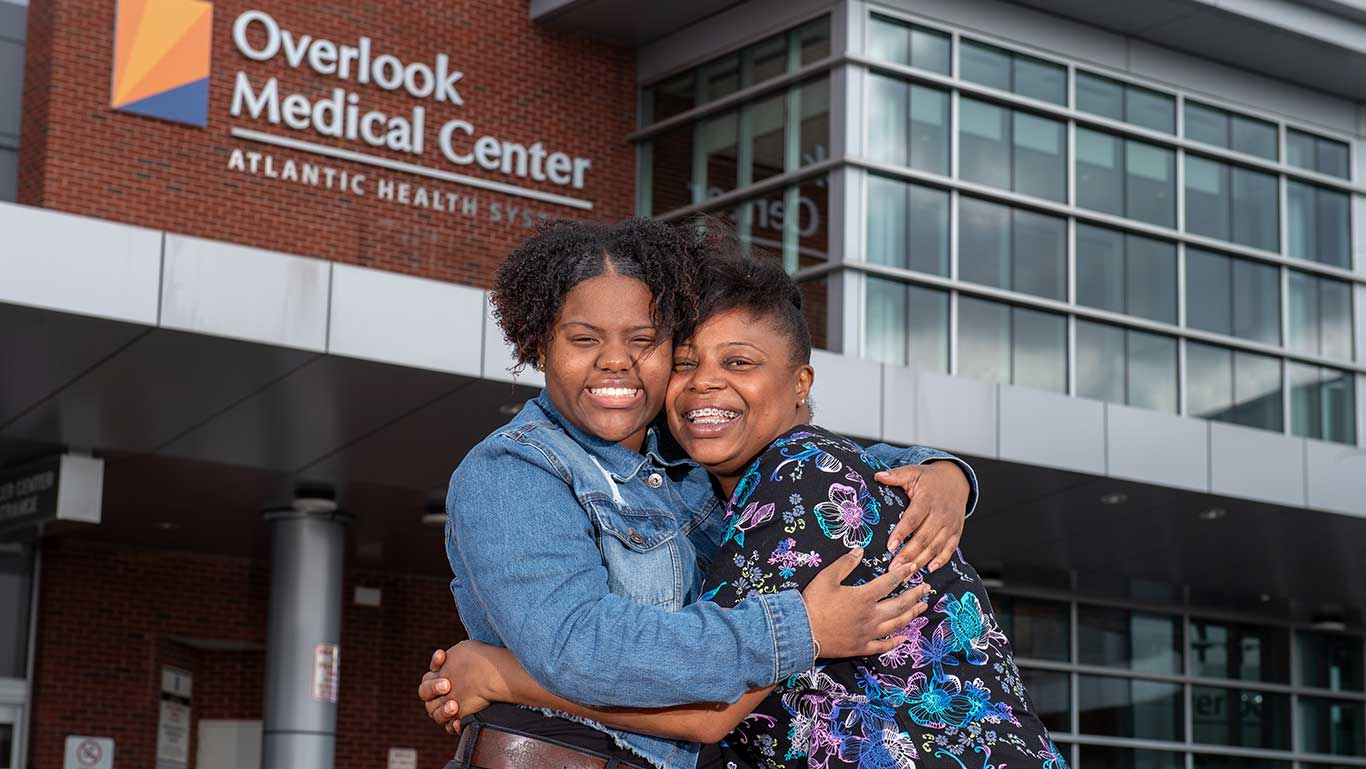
(586, 559)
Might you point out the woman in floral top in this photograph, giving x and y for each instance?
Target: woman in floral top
(801, 498)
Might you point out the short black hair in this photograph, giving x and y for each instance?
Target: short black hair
(531, 284)
(736, 276)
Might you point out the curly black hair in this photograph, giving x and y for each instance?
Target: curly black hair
(533, 281)
(737, 276)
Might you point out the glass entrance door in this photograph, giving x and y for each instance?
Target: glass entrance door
(9, 737)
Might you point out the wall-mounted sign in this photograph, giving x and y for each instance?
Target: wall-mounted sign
(63, 488)
(173, 727)
(88, 753)
(326, 670)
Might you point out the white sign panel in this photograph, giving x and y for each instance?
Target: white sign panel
(402, 758)
(326, 664)
(173, 735)
(89, 753)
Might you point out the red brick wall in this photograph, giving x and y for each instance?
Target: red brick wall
(111, 617)
(521, 83)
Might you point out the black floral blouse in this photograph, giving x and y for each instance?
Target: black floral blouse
(949, 696)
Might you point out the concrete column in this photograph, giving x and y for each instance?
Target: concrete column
(300, 727)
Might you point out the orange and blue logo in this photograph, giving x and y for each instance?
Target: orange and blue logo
(161, 59)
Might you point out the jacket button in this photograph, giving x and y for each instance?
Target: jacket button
(654, 481)
(636, 538)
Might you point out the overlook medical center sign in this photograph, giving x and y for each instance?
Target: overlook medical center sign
(446, 145)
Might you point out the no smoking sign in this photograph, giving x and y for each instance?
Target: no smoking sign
(89, 753)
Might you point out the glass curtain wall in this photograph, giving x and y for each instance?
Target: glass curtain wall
(1029, 220)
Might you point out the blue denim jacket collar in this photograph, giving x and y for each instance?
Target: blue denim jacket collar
(623, 463)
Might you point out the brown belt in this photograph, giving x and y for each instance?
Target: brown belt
(483, 746)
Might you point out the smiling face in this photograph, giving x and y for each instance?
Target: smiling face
(734, 390)
(604, 368)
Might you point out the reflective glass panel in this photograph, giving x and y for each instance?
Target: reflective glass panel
(1322, 403)
(894, 40)
(1209, 381)
(1339, 407)
(1050, 697)
(1039, 349)
(813, 98)
(1141, 641)
(1257, 391)
(929, 134)
(1233, 650)
(1299, 149)
(1240, 718)
(1150, 183)
(1316, 153)
(928, 335)
(1209, 291)
(1100, 175)
(1207, 198)
(1238, 762)
(671, 168)
(671, 97)
(984, 147)
(813, 40)
(1123, 707)
(1317, 224)
(16, 590)
(1330, 661)
(1037, 629)
(1255, 137)
(1099, 96)
(1040, 148)
(1039, 254)
(908, 225)
(1256, 301)
(720, 77)
(1104, 757)
(1150, 109)
(1206, 124)
(1256, 209)
(1100, 362)
(886, 324)
(984, 64)
(1039, 79)
(1150, 274)
(889, 104)
(718, 146)
(1330, 726)
(984, 242)
(1100, 266)
(1151, 381)
(1320, 315)
(763, 61)
(1303, 313)
(764, 121)
(983, 340)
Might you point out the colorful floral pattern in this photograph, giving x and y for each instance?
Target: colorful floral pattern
(948, 697)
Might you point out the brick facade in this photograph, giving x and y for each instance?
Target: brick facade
(522, 83)
(113, 616)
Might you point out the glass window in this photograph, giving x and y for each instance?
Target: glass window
(1233, 296)
(897, 41)
(1120, 638)
(1320, 315)
(1126, 366)
(1105, 757)
(1240, 718)
(984, 143)
(1244, 652)
(763, 61)
(1239, 387)
(813, 99)
(1126, 273)
(763, 123)
(1230, 130)
(1232, 203)
(1040, 150)
(1322, 403)
(1100, 96)
(1037, 629)
(1012, 248)
(718, 152)
(1013, 345)
(1123, 707)
(1008, 71)
(1129, 103)
(984, 64)
(1238, 762)
(1050, 697)
(719, 78)
(1317, 224)
(908, 125)
(1330, 661)
(1316, 153)
(671, 168)
(1126, 178)
(671, 97)
(907, 325)
(813, 40)
(1330, 726)
(16, 588)
(908, 225)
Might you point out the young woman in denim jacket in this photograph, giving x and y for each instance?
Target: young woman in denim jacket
(578, 534)
(947, 697)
